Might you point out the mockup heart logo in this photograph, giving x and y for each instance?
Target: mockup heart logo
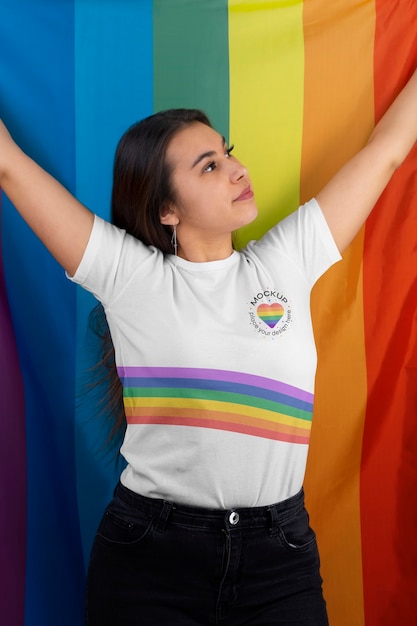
(270, 313)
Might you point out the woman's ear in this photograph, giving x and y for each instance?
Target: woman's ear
(168, 216)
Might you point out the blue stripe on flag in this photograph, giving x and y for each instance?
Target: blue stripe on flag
(38, 41)
(113, 89)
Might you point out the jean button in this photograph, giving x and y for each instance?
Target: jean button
(234, 518)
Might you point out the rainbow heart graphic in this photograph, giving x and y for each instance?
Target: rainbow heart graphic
(270, 313)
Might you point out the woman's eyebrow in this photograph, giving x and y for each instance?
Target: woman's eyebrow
(205, 155)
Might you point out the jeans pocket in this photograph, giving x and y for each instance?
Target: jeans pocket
(296, 534)
(124, 528)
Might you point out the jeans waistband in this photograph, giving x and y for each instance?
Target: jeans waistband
(264, 516)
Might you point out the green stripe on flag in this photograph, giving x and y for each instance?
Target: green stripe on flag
(191, 58)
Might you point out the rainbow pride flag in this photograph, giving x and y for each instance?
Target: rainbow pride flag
(297, 86)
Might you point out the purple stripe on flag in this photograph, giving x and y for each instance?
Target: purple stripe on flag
(12, 469)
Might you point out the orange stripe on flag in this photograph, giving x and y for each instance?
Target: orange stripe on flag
(338, 117)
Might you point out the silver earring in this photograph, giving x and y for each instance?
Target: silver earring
(174, 239)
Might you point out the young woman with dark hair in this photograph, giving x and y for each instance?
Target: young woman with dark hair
(207, 524)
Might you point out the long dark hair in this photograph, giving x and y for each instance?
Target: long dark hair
(141, 187)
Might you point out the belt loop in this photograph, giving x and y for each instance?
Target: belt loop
(164, 515)
(273, 529)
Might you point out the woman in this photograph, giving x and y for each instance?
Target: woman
(207, 525)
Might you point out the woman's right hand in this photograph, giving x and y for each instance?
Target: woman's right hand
(60, 221)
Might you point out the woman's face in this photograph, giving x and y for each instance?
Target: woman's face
(212, 190)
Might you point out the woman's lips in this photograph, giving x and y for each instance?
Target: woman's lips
(246, 194)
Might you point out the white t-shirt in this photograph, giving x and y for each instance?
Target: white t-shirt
(217, 360)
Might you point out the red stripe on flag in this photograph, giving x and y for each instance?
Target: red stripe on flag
(389, 456)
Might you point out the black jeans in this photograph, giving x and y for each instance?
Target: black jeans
(155, 563)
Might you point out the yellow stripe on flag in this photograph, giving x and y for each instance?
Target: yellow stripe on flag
(266, 103)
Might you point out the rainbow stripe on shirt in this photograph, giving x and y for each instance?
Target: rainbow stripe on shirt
(219, 399)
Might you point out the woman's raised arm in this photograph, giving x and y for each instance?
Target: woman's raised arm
(61, 222)
(350, 195)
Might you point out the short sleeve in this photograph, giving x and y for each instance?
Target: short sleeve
(304, 238)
